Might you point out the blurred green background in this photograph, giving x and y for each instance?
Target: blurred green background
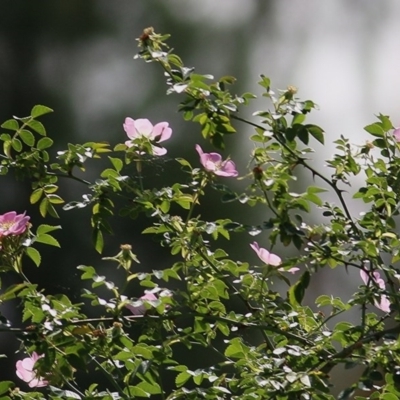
(77, 57)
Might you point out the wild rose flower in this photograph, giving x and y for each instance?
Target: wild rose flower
(212, 162)
(12, 223)
(270, 258)
(396, 134)
(143, 128)
(141, 308)
(25, 371)
(384, 303)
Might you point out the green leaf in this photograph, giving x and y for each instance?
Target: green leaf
(315, 189)
(89, 272)
(313, 198)
(235, 349)
(16, 144)
(39, 110)
(5, 386)
(108, 172)
(302, 133)
(11, 124)
(182, 378)
(27, 137)
(297, 291)
(98, 240)
(117, 163)
(265, 82)
(375, 129)
(151, 388)
(44, 143)
(34, 255)
(298, 119)
(51, 210)
(389, 396)
(43, 207)
(46, 229)
(36, 196)
(316, 132)
(11, 291)
(37, 127)
(47, 239)
(183, 162)
(142, 351)
(55, 199)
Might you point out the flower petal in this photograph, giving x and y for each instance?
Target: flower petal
(384, 304)
(129, 128)
(364, 276)
(161, 132)
(141, 308)
(396, 134)
(274, 260)
(144, 127)
(159, 151)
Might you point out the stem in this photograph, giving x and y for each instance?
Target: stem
(68, 383)
(111, 380)
(139, 171)
(195, 198)
(70, 176)
(236, 291)
(311, 169)
(267, 198)
(327, 366)
(120, 374)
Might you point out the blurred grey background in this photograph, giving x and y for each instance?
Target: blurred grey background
(77, 57)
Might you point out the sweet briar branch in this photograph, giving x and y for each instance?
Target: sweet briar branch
(266, 345)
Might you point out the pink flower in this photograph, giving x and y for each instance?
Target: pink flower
(212, 162)
(140, 309)
(265, 255)
(270, 258)
(12, 223)
(384, 303)
(143, 128)
(25, 371)
(396, 134)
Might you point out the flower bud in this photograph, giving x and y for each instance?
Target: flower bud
(146, 34)
(290, 92)
(257, 173)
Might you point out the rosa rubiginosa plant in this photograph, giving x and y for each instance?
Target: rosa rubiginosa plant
(208, 326)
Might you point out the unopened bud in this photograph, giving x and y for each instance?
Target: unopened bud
(257, 173)
(369, 145)
(146, 33)
(292, 90)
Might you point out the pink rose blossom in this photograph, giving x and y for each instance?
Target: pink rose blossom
(384, 303)
(12, 223)
(25, 371)
(212, 162)
(265, 255)
(141, 308)
(396, 134)
(270, 258)
(143, 128)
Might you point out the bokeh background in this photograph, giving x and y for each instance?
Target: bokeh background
(77, 57)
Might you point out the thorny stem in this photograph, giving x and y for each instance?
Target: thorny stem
(69, 176)
(195, 198)
(327, 365)
(111, 380)
(267, 198)
(313, 171)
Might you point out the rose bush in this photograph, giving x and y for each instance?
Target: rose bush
(256, 342)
